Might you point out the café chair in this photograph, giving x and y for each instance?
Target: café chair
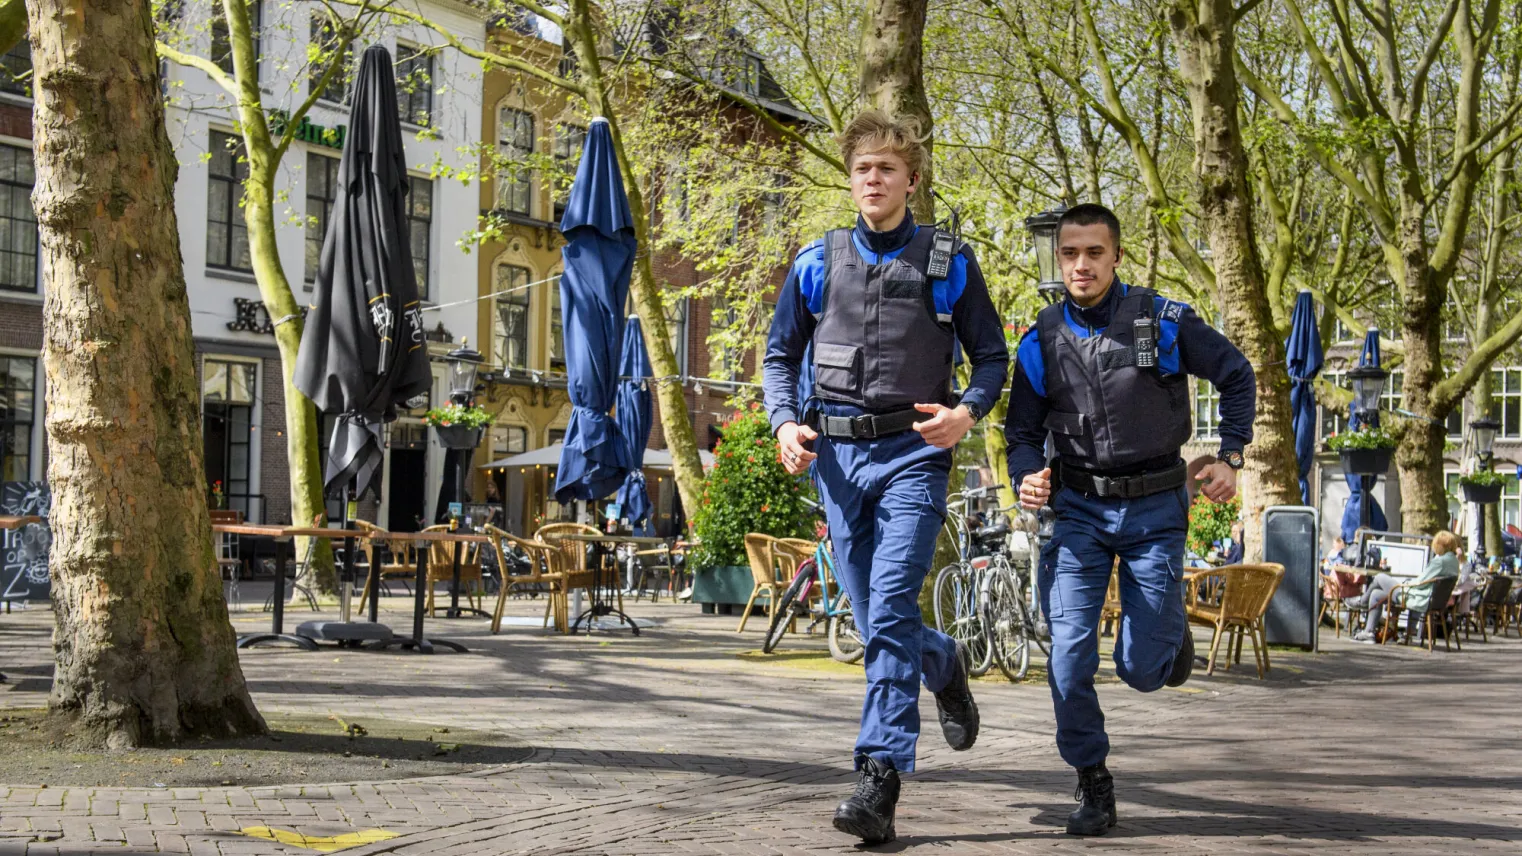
(1437, 605)
(441, 569)
(546, 568)
(1245, 593)
(392, 559)
(574, 555)
(762, 558)
(1491, 607)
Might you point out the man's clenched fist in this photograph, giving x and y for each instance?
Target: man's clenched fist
(790, 438)
(1036, 489)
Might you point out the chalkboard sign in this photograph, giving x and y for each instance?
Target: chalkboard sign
(24, 572)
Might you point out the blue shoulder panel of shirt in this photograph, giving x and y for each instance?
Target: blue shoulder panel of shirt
(808, 267)
(1168, 312)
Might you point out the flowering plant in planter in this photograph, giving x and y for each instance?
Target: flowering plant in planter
(1209, 522)
(218, 496)
(1483, 478)
(748, 491)
(1363, 438)
(474, 416)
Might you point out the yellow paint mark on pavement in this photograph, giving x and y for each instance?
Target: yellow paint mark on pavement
(1190, 690)
(322, 844)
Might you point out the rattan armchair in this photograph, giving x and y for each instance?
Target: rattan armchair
(401, 556)
(546, 568)
(441, 569)
(762, 558)
(1245, 593)
(573, 554)
(1109, 614)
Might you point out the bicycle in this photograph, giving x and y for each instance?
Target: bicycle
(834, 609)
(958, 595)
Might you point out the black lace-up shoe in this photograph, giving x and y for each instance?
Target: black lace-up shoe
(868, 814)
(1096, 792)
(1183, 661)
(958, 712)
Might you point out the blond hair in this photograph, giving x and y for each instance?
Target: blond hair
(874, 131)
(1444, 542)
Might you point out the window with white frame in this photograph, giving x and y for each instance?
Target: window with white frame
(221, 37)
(325, 50)
(510, 321)
(322, 190)
(515, 144)
(226, 233)
(18, 221)
(675, 311)
(414, 84)
(18, 403)
(569, 141)
(1506, 393)
(557, 329)
(420, 229)
(1207, 411)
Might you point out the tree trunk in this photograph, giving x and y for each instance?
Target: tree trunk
(144, 651)
(1203, 32)
(893, 79)
(1423, 495)
(301, 425)
(676, 424)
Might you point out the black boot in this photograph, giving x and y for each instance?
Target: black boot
(868, 814)
(958, 712)
(1096, 790)
(1183, 661)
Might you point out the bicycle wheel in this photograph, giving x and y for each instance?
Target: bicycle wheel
(1007, 625)
(782, 612)
(845, 640)
(958, 615)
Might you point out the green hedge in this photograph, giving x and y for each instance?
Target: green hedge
(748, 491)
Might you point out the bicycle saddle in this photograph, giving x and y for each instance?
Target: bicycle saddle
(992, 532)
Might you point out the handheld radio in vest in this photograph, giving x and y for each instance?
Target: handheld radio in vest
(941, 251)
(1144, 341)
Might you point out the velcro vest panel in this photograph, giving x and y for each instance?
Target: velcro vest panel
(878, 343)
(1105, 412)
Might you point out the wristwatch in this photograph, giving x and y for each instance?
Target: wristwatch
(1233, 458)
(975, 410)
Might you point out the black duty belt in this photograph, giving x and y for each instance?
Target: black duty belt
(869, 426)
(1124, 487)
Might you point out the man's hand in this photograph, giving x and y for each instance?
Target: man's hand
(795, 457)
(946, 427)
(1036, 489)
(1220, 482)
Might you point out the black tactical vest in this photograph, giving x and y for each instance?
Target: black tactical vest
(1105, 412)
(879, 343)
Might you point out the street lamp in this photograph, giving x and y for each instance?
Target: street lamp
(1043, 229)
(464, 362)
(1368, 386)
(1482, 433)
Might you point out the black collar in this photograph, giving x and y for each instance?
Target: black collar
(885, 242)
(1097, 317)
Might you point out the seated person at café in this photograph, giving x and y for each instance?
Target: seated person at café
(1444, 563)
(1235, 549)
(1348, 585)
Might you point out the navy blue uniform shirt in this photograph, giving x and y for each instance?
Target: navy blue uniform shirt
(1185, 343)
(963, 294)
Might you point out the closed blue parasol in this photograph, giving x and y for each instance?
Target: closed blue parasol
(633, 414)
(1353, 510)
(1304, 357)
(598, 258)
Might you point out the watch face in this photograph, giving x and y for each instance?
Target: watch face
(1233, 460)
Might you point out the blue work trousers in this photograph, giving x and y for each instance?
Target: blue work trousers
(1147, 535)
(885, 500)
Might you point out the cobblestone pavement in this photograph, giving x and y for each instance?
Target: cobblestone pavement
(678, 742)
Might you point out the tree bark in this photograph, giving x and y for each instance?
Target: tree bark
(144, 651)
(893, 79)
(1204, 34)
(686, 464)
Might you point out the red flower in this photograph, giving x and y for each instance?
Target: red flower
(765, 507)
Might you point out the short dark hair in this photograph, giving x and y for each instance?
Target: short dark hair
(1087, 214)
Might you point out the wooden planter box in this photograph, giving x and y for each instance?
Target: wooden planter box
(1366, 462)
(1482, 493)
(723, 588)
(458, 436)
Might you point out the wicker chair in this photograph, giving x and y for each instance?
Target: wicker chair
(1491, 607)
(1437, 605)
(1245, 593)
(1109, 614)
(402, 554)
(441, 569)
(762, 557)
(573, 554)
(546, 564)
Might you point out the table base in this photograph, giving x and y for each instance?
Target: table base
(464, 611)
(598, 610)
(420, 646)
(253, 639)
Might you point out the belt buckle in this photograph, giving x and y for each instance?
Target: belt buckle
(1101, 486)
(862, 428)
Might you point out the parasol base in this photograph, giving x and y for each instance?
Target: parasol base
(350, 634)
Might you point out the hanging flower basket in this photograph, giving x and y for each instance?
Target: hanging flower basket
(1481, 493)
(458, 436)
(1366, 462)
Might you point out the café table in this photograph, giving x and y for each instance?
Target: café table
(8, 523)
(282, 536)
(605, 575)
(417, 641)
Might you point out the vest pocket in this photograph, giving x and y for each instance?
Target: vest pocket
(1070, 433)
(837, 370)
